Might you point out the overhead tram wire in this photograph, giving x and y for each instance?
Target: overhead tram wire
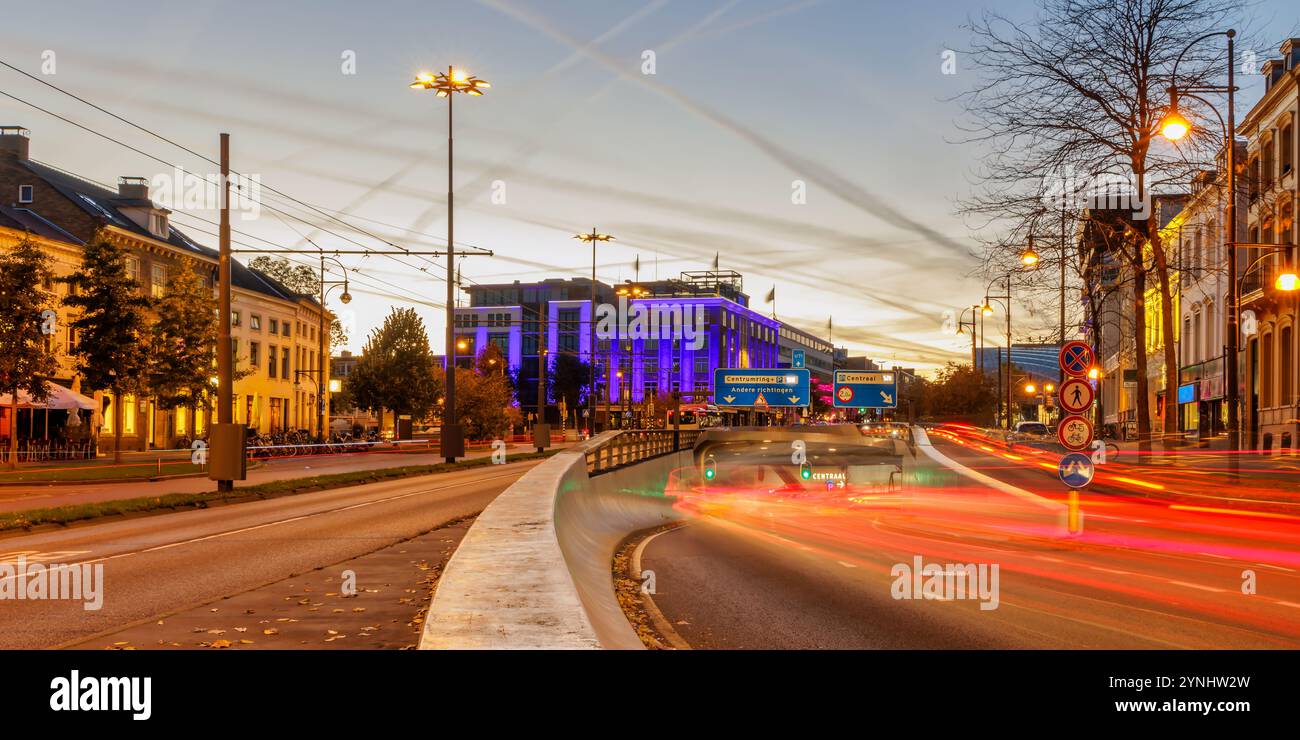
(178, 168)
(178, 145)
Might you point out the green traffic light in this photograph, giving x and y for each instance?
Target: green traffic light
(710, 468)
(805, 471)
(709, 473)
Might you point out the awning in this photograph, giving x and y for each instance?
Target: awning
(60, 399)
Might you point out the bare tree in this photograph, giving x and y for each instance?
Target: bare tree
(1068, 106)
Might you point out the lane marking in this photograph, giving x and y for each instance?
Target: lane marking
(288, 520)
(846, 565)
(1196, 586)
(660, 621)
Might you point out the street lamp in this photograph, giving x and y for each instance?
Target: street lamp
(322, 348)
(593, 238)
(446, 86)
(1174, 127)
(962, 323)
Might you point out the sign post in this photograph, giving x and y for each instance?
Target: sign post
(1075, 432)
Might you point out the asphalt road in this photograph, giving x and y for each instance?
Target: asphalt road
(813, 569)
(162, 564)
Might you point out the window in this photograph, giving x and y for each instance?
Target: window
(284, 363)
(128, 415)
(25, 194)
(271, 364)
(275, 326)
(158, 280)
(255, 354)
(1287, 158)
(255, 322)
(133, 268)
(158, 224)
(284, 328)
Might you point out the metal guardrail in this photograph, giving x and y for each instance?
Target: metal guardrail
(635, 446)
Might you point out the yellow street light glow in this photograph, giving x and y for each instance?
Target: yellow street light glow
(1094, 373)
(1287, 281)
(986, 309)
(1174, 127)
(1029, 258)
(1049, 387)
(1030, 388)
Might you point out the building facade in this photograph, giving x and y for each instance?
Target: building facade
(274, 330)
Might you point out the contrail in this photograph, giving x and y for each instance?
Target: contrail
(836, 184)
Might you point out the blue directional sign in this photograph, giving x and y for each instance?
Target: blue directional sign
(796, 358)
(862, 390)
(1076, 470)
(760, 388)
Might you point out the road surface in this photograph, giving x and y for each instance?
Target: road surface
(815, 570)
(162, 564)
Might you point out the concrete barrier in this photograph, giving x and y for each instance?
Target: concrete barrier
(535, 569)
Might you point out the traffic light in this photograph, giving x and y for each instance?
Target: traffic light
(805, 471)
(710, 468)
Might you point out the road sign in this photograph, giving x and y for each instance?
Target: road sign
(796, 358)
(1076, 358)
(878, 390)
(1074, 433)
(756, 387)
(1076, 470)
(1076, 395)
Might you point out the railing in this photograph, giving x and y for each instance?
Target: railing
(635, 446)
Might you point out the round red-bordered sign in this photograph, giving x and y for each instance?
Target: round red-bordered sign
(844, 393)
(1074, 433)
(1076, 395)
(1076, 358)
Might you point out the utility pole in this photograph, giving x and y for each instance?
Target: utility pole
(225, 358)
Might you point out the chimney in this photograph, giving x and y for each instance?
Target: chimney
(133, 188)
(14, 141)
(1291, 53)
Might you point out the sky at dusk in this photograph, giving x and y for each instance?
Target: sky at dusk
(748, 96)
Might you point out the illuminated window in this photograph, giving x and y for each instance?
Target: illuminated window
(128, 415)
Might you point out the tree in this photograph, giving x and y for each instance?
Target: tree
(958, 392)
(111, 329)
(570, 380)
(304, 281)
(1072, 100)
(396, 369)
(183, 343)
(483, 403)
(25, 359)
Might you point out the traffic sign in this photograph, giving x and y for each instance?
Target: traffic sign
(756, 387)
(796, 358)
(1076, 395)
(1076, 358)
(1076, 470)
(1074, 433)
(878, 390)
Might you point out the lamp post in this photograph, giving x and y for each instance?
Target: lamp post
(1174, 127)
(593, 238)
(962, 323)
(322, 382)
(447, 86)
(1029, 258)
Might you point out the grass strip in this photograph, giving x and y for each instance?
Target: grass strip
(28, 518)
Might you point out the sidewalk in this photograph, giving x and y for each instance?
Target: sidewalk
(18, 498)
